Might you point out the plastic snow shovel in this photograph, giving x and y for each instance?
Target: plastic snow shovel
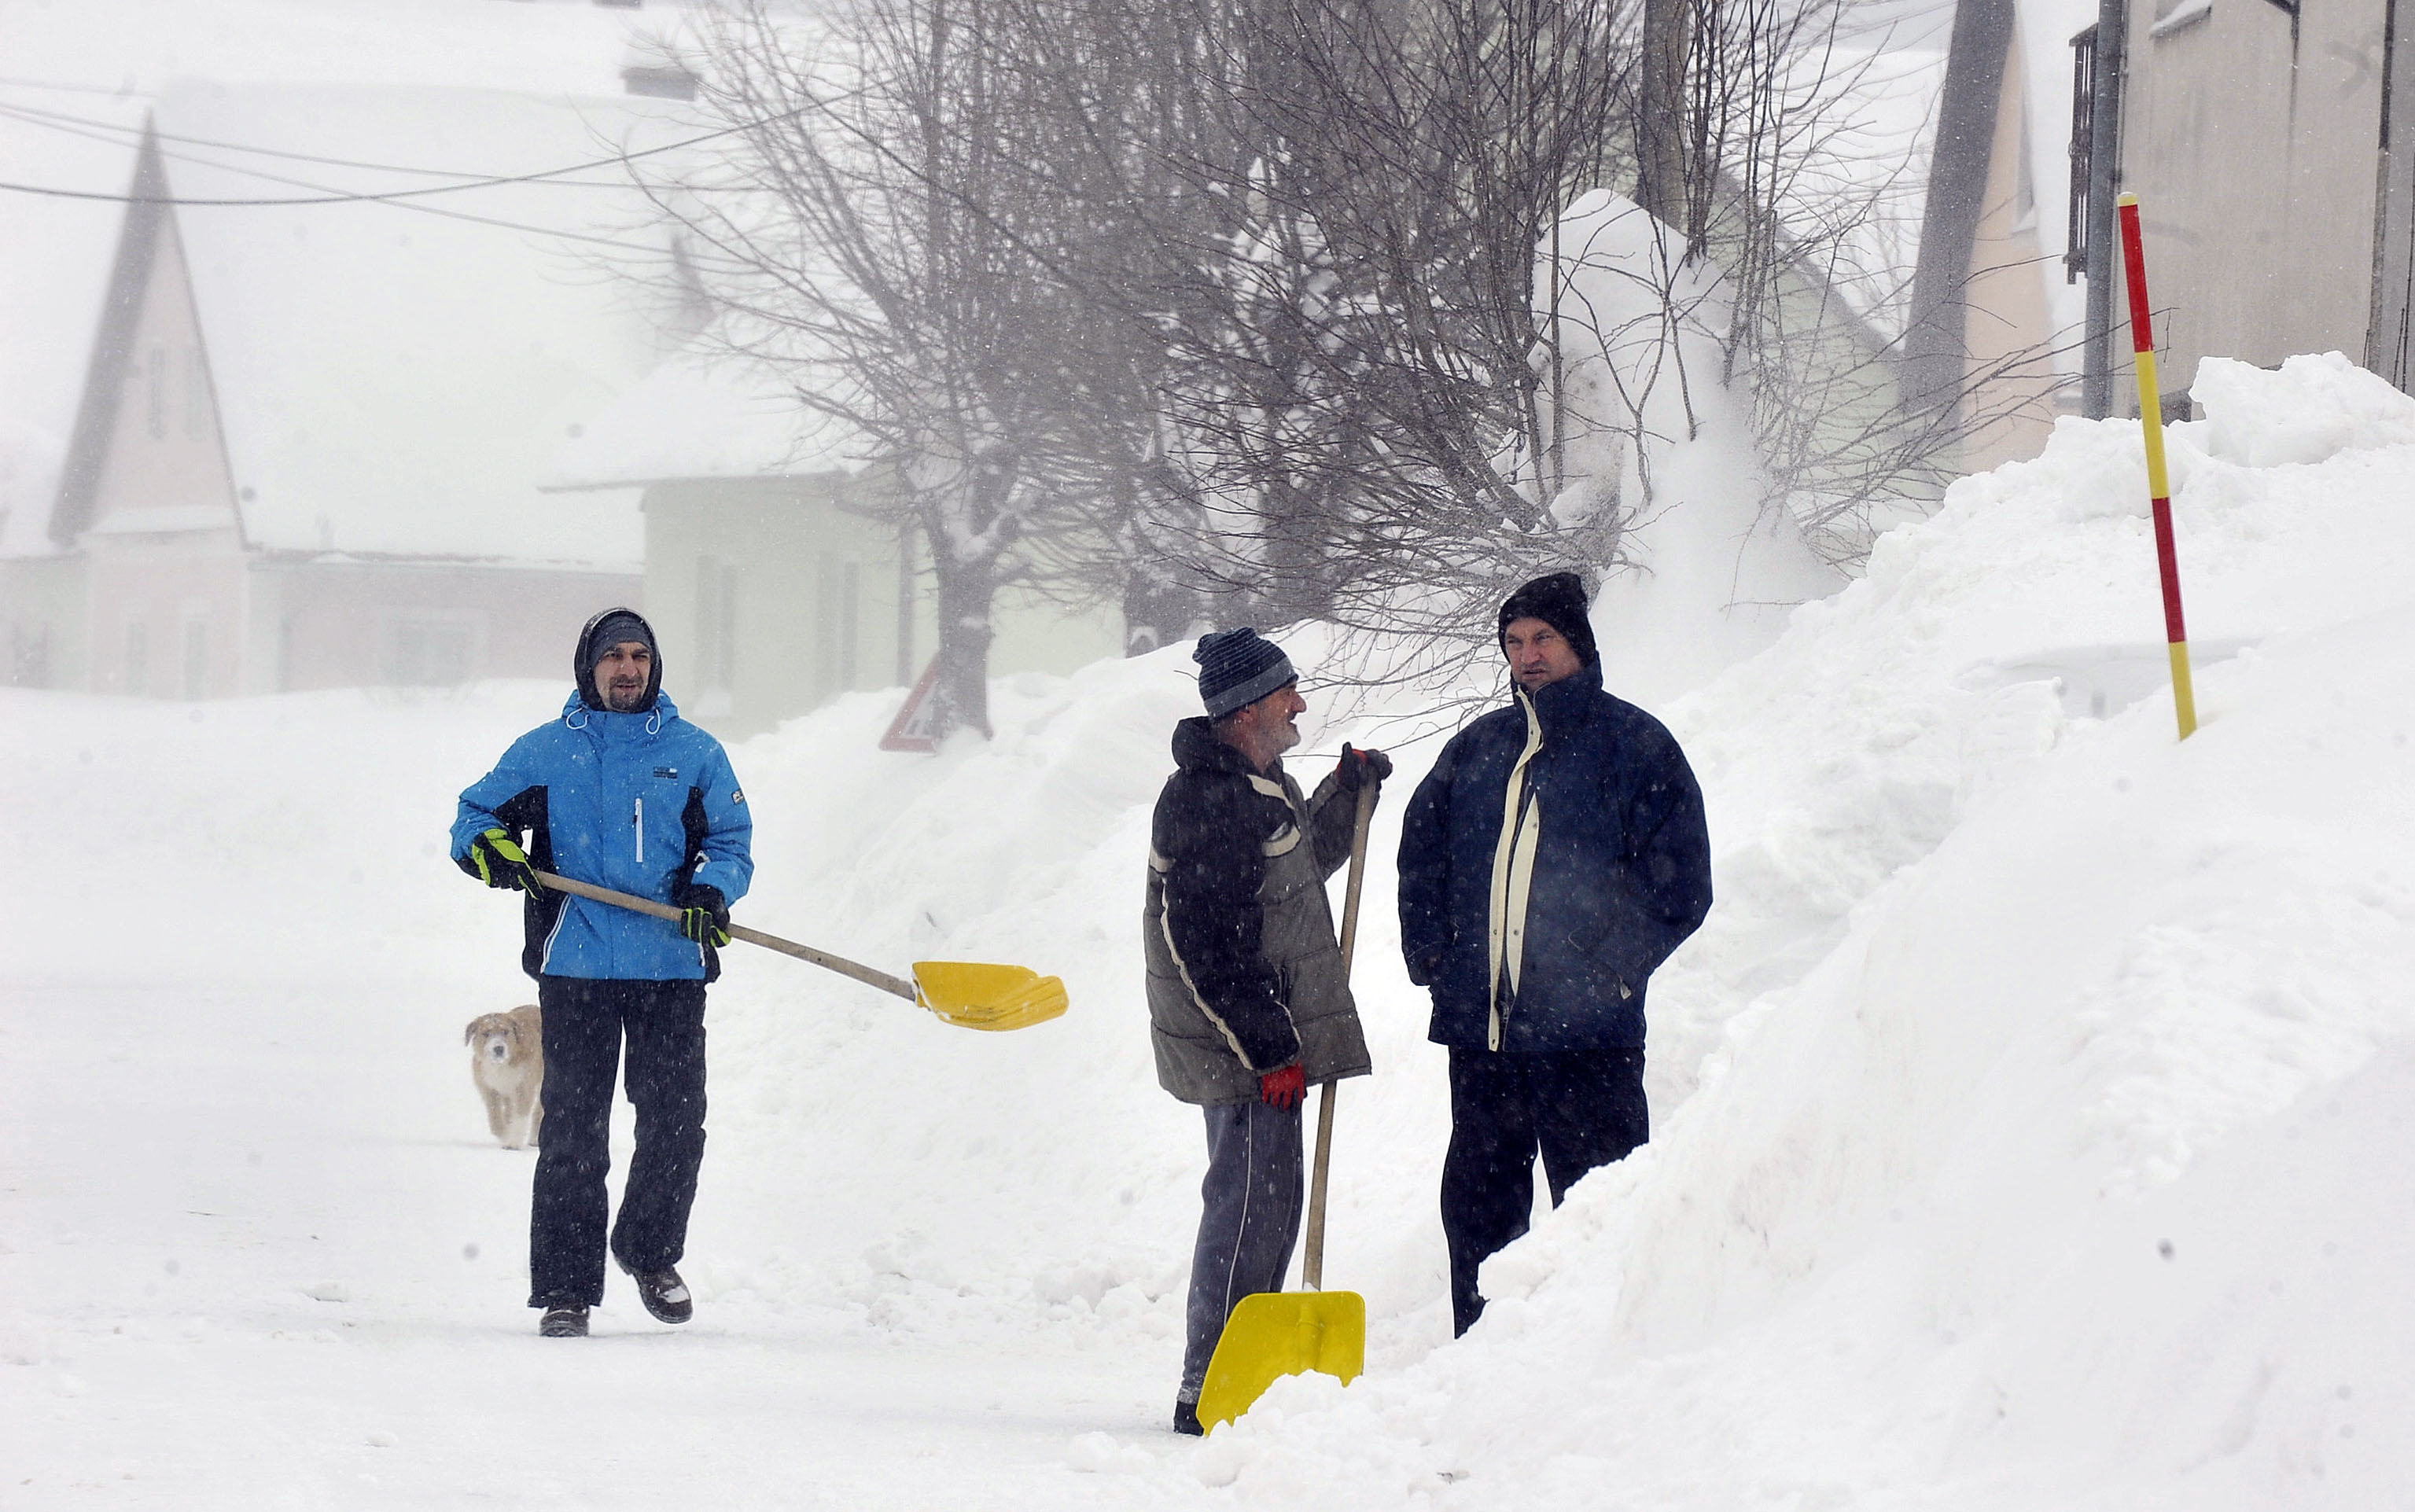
(1274, 1334)
(971, 995)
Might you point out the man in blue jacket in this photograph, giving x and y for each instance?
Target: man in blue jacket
(1552, 858)
(621, 793)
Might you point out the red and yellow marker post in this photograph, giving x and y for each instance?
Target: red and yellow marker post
(2151, 418)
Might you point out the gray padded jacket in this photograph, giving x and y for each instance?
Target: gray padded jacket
(1245, 975)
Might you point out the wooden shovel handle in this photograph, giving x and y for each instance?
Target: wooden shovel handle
(828, 962)
(1311, 1269)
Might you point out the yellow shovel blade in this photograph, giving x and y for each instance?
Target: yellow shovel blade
(974, 995)
(1275, 1334)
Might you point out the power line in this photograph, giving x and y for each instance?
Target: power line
(397, 204)
(29, 115)
(122, 92)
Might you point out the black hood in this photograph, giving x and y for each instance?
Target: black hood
(621, 624)
(1197, 749)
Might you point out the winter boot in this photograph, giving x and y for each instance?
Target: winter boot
(664, 1294)
(564, 1322)
(1186, 1417)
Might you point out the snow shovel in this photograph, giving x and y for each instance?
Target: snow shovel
(970, 995)
(1274, 1334)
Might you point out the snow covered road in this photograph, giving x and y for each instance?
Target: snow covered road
(256, 1248)
(259, 1252)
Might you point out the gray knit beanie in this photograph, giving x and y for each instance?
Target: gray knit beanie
(1238, 667)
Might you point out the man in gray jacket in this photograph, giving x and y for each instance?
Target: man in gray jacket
(1249, 1001)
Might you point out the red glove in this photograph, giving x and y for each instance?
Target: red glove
(1284, 1088)
(1356, 766)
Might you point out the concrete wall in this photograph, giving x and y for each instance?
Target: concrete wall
(2006, 329)
(164, 614)
(336, 623)
(1033, 634)
(2251, 141)
(42, 598)
(770, 598)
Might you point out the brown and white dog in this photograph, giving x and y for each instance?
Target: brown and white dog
(507, 1064)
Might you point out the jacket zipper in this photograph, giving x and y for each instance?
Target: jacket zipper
(640, 821)
(1513, 868)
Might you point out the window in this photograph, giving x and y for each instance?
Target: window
(428, 654)
(837, 632)
(138, 675)
(29, 655)
(850, 619)
(159, 415)
(2083, 127)
(716, 623)
(197, 659)
(2024, 184)
(197, 397)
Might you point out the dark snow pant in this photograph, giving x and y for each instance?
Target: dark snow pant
(1580, 1108)
(584, 1023)
(1248, 1225)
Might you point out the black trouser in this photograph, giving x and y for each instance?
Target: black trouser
(1249, 1223)
(584, 1023)
(1580, 1108)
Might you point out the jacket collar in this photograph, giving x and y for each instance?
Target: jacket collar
(1196, 749)
(1563, 705)
(612, 726)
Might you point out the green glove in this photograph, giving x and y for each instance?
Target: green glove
(496, 859)
(704, 918)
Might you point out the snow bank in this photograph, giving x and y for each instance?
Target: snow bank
(2040, 1184)
(1711, 570)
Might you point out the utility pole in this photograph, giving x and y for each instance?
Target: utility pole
(2387, 347)
(2103, 183)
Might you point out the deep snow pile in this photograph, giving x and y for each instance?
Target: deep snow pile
(1997, 996)
(2026, 1112)
(2059, 1177)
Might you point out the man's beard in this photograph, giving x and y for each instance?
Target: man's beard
(624, 698)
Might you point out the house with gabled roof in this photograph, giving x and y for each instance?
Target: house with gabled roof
(313, 419)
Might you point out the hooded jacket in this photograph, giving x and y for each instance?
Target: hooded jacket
(1244, 974)
(639, 802)
(1550, 862)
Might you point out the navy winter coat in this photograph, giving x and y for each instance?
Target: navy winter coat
(1543, 941)
(643, 803)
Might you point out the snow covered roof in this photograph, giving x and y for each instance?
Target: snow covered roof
(54, 269)
(699, 416)
(1854, 171)
(393, 376)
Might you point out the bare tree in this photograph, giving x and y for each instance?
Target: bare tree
(1223, 309)
(859, 240)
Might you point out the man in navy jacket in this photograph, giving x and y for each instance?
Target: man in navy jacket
(1552, 858)
(621, 793)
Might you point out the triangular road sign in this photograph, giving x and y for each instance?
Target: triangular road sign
(911, 730)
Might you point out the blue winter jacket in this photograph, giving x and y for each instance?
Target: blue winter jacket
(1544, 940)
(643, 803)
